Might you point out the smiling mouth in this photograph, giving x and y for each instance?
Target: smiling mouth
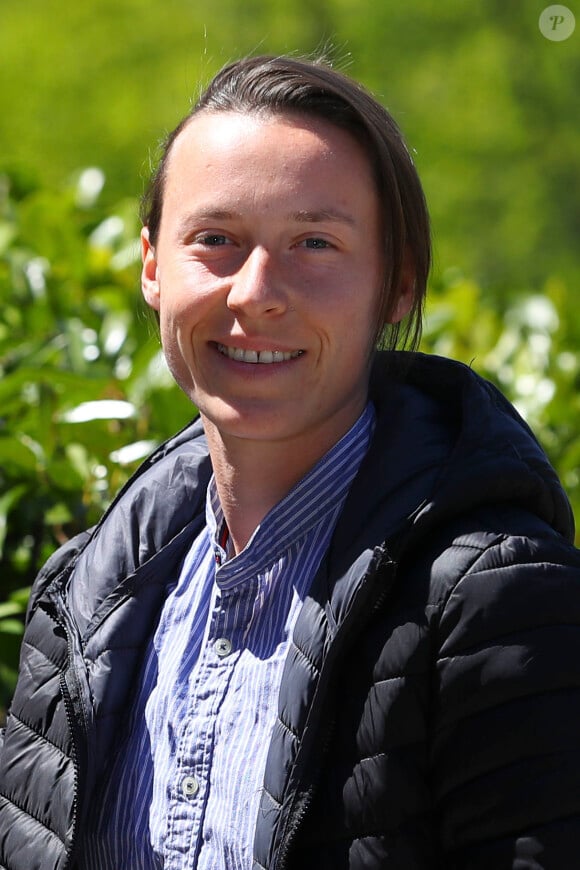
(258, 356)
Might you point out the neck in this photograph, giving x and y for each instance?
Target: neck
(253, 476)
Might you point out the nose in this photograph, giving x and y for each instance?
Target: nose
(256, 288)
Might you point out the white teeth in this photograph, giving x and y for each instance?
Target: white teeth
(254, 356)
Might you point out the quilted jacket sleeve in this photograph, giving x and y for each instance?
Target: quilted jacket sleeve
(506, 741)
(53, 566)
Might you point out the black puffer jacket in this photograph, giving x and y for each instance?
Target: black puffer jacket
(429, 715)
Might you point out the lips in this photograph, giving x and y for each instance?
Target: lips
(266, 357)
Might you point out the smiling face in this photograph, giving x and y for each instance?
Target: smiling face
(266, 274)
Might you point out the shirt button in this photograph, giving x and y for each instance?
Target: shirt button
(189, 786)
(223, 647)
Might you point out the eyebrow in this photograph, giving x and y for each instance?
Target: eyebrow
(210, 214)
(306, 216)
(322, 216)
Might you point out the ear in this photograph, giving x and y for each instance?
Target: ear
(149, 271)
(406, 293)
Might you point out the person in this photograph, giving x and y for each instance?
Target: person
(335, 621)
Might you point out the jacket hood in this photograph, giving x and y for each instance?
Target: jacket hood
(447, 442)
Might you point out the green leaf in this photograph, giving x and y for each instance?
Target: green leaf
(9, 608)
(7, 502)
(11, 626)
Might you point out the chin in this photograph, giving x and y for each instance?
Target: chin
(257, 423)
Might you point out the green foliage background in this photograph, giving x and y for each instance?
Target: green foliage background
(490, 108)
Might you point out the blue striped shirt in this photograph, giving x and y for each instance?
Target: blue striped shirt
(184, 790)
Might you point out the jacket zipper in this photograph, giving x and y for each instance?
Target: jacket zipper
(75, 806)
(297, 814)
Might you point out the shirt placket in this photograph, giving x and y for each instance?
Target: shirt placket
(229, 619)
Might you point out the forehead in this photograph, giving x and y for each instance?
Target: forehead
(264, 142)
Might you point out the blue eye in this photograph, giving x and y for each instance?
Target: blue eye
(214, 240)
(316, 244)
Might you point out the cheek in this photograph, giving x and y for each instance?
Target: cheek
(355, 315)
(175, 330)
(180, 360)
(184, 303)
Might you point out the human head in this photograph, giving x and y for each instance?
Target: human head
(282, 85)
